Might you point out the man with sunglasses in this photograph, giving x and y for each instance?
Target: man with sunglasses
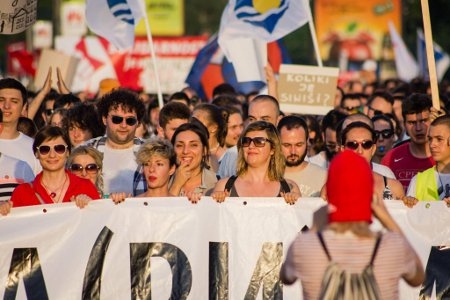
(413, 156)
(121, 111)
(12, 142)
(310, 178)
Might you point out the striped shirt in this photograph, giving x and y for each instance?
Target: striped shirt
(307, 261)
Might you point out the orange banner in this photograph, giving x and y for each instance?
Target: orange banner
(357, 29)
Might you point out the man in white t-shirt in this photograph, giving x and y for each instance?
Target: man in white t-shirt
(310, 178)
(121, 112)
(12, 142)
(12, 172)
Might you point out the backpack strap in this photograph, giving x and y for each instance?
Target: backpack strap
(285, 186)
(322, 242)
(375, 249)
(230, 183)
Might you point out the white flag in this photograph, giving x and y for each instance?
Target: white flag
(114, 20)
(262, 19)
(441, 58)
(407, 68)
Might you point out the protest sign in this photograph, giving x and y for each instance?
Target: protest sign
(307, 89)
(16, 16)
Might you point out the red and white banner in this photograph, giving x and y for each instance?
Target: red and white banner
(133, 69)
(164, 248)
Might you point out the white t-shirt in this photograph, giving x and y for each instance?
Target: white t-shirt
(21, 148)
(119, 166)
(12, 173)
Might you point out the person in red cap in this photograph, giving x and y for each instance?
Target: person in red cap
(348, 237)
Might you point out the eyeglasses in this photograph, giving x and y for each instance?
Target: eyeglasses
(258, 141)
(48, 112)
(354, 145)
(386, 134)
(131, 121)
(45, 149)
(77, 168)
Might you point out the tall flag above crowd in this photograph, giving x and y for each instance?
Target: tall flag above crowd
(407, 67)
(441, 58)
(264, 20)
(115, 20)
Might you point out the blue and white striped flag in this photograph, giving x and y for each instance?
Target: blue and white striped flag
(115, 20)
(406, 65)
(267, 20)
(441, 58)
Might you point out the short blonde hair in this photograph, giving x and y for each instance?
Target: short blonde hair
(156, 147)
(277, 161)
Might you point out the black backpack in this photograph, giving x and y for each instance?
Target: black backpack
(340, 284)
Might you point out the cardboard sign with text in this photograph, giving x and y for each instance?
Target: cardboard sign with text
(307, 89)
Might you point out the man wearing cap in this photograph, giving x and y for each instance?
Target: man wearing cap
(348, 236)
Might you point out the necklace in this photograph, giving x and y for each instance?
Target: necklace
(58, 190)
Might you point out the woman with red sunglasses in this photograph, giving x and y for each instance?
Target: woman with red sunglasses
(54, 184)
(260, 167)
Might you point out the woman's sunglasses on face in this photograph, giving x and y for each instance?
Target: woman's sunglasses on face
(45, 149)
(386, 134)
(258, 141)
(354, 145)
(78, 168)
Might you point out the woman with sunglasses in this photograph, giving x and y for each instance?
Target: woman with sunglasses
(384, 132)
(360, 138)
(54, 184)
(86, 162)
(260, 167)
(192, 178)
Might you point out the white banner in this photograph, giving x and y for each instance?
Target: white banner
(163, 248)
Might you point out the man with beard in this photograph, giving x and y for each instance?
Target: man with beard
(329, 125)
(413, 156)
(121, 111)
(309, 177)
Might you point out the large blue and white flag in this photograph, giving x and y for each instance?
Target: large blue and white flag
(406, 65)
(115, 20)
(267, 20)
(441, 58)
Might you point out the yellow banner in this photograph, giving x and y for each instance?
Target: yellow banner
(166, 18)
(356, 28)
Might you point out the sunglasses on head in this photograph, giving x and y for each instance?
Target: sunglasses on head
(44, 149)
(258, 141)
(375, 111)
(354, 145)
(131, 121)
(351, 108)
(386, 134)
(77, 168)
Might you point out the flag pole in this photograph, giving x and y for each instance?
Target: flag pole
(312, 29)
(152, 52)
(430, 55)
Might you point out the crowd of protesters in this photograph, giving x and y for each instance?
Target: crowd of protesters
(210, 142)
(57, 147)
